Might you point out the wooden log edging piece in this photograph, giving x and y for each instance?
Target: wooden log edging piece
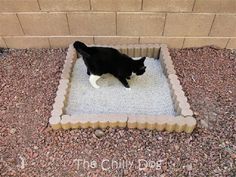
(182, 107)
(162, 122)
(90, 121)
(60, 100)
(55, 122)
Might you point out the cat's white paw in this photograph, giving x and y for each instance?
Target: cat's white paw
(93, 79)
(96, 86)
(128, 89)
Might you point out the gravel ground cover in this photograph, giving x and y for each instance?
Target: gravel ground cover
(28, 147)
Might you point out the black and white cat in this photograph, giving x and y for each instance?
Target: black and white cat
(102, 60)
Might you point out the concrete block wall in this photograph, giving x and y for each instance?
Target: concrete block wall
(178, 23)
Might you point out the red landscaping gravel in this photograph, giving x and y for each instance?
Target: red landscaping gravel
(28, 147)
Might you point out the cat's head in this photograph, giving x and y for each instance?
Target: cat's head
(139, 67)
(81, 48)
(79, 45)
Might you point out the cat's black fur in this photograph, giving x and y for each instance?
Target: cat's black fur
(102, 60)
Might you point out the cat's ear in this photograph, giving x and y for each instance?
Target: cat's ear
(142, 59)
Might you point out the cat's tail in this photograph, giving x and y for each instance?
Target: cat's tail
(81, 48)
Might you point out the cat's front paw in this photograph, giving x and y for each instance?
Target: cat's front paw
(96, 86)
(128, 88)
(93, 79)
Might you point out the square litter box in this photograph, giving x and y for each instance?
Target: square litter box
(156, 100)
